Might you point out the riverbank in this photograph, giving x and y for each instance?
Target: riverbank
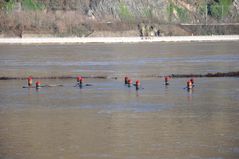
(75, 40)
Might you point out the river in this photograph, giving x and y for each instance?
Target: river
(111, 120)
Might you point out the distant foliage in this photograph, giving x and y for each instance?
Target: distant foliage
(26, 4)
(32, 5)
(124, 12)
(226, 5)
(148, 13)
(9, 5)
(82, 17)
(221, 8)
(182, 13)
(170, 11)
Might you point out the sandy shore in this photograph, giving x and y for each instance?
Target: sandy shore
(75, 40)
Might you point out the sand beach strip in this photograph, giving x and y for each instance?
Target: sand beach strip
(77, 40)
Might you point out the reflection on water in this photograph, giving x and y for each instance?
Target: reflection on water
(144, 61)
(110, 120)
(119, 59)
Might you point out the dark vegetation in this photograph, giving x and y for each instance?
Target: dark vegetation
(85, 17)
(218, 74)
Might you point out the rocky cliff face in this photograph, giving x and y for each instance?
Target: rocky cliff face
(173, 11)
(115, 8)
(177, 11)
(84, 17)
(123, 9)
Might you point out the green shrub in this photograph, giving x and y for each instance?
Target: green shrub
(148, 13)
(226, 6)
(124, 12)
(32, 5)
(220, 9)
(202, 8)
(216, 10)
(170, 11)
(9, 5)
(181, 12)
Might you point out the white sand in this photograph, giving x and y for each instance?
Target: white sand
(75, 40)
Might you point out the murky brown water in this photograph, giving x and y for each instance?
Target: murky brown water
(110, 120)
(144, 59)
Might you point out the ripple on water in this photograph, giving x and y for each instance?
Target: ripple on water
(128, 107)
(143, 61)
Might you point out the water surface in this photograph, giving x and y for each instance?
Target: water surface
(111, 121)
(144, 59)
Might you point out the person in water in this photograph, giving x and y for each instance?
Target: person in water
(80, 83)
(126, 80)
(79, 80)
(189, 84)
(129, 82)
(29, 81)
(38, 85)
(192, 81)
(137, 85)
(166, 80)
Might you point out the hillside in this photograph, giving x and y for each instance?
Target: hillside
(118, 17)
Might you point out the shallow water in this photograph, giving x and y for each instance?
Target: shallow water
(110, 120)
(144, 59)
